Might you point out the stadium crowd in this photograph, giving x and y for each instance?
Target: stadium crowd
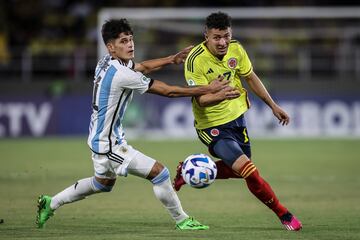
(50, 30)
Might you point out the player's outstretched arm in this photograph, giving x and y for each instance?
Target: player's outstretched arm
(163, 89)
(212, 99)
(155, 64)
(259, 89)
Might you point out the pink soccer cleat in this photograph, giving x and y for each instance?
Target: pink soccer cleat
(290, 222)
(178, 180)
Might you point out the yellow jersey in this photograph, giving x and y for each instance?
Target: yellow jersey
(202, 67)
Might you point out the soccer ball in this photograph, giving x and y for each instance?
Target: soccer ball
(198, 170)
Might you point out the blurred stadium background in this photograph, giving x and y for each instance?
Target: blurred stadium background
(308, 56)
(306, 52)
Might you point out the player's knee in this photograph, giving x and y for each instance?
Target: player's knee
(104, 185)
(155, 170)
(244, 167)
(161, 177)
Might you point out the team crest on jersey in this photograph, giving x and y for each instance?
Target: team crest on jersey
(191, 82)
(232, 62)
(214, 132)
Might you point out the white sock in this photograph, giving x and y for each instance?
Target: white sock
(166, 194)
(78, 191)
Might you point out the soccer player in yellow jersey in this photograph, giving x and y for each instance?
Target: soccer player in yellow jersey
(220, 122)
(116, 79)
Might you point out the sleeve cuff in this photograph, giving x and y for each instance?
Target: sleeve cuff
(247, 73)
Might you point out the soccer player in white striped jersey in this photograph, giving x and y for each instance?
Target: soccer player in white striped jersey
(116, 78)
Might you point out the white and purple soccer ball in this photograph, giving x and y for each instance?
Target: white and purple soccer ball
(198, 170)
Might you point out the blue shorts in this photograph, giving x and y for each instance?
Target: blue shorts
(228, 141)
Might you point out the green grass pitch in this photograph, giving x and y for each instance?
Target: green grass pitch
(318, 180)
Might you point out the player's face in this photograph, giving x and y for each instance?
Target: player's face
(122, 47)
(218, 41)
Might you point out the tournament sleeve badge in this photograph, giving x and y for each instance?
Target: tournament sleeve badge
(191, 82)
(145, 79)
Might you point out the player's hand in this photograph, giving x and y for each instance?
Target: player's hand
(280, 114)
(218, 84)
(180, 57)
(228, 93)
(231, 93)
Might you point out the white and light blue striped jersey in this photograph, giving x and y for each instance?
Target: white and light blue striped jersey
(114, 83)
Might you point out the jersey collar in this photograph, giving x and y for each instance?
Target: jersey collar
(212, 55)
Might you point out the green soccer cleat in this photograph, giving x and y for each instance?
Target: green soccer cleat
(190, 224)
(44, 210)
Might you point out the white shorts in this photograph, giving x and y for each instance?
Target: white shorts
(122, 160)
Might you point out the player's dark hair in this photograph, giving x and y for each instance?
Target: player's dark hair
(112, 28)
(218, 20)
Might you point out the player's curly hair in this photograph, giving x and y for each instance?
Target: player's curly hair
(218, 20)
(112, 28)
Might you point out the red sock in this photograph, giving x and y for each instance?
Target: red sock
(261, 189)
(224, 172)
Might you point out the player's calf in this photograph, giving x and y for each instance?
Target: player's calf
(260, 188)
(263, 191)
(78, 191)
(167, 196)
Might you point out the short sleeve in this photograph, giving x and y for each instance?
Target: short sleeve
(245, 66)
(131, 79)
(195, 77)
